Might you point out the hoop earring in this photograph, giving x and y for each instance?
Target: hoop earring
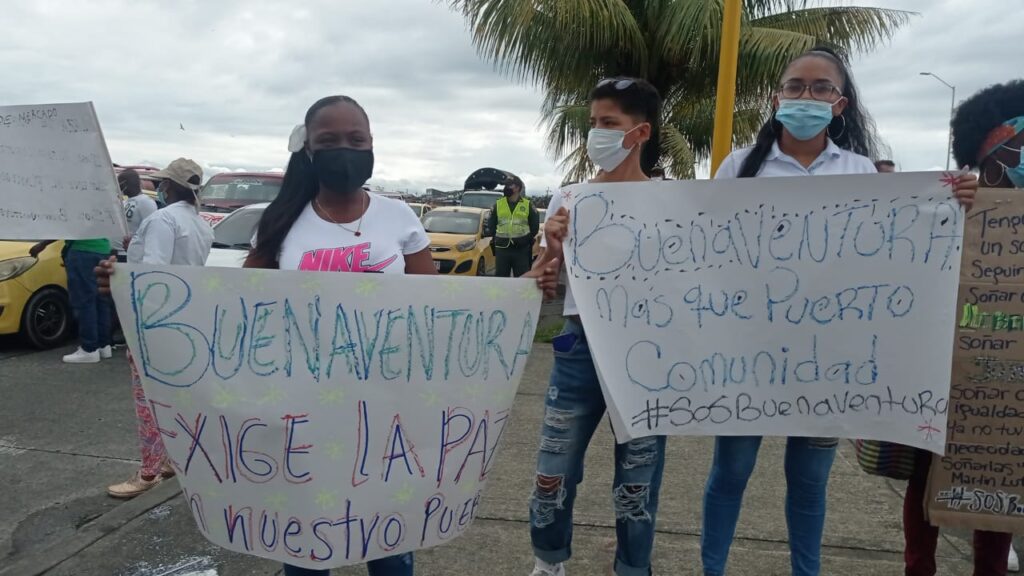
(841, 130)
(984, 176)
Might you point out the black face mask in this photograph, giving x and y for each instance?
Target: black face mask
(508, 192)
(343, 170)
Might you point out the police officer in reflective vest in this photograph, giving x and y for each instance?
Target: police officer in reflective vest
(514, 223)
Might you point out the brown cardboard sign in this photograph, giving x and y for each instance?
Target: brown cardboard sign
(979, 483)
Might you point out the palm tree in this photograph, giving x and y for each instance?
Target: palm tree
(566, 46)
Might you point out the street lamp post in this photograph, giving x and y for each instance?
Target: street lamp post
(952, 110)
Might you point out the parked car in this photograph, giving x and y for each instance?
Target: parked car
(34, 294)
(232, 236)
(483, 199)
(479, 189)
(224, 193)
(420, 209)
(457, 243)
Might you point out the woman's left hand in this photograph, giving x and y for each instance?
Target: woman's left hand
(547, 278)
(965, 190)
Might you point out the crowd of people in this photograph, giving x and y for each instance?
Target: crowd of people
(819, 126)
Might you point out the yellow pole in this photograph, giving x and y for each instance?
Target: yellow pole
(721, 144)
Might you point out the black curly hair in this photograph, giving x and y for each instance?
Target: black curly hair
(977, 116)
(855, 130)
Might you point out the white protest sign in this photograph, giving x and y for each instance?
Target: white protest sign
(328, 419)
(771, 306)
(56, 175)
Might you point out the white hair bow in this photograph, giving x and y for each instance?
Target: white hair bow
(297, 140)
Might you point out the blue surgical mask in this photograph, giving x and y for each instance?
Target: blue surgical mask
(1015, 173)
(804, 119)
(160, 196)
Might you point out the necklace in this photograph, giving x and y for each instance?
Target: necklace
(359, 226)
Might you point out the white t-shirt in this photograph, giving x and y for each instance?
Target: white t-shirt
(136, 210)
(390, 231)
(832, 161)
(174, 235)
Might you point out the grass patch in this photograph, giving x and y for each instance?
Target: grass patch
(548, 333)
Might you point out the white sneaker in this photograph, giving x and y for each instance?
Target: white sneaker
(106, 353)
(82, 357)
(1013, 562)
(542, 568)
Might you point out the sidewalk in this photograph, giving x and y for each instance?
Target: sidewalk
(60, 448)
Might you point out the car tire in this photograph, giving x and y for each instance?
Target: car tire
(481, 268)
(46, 321)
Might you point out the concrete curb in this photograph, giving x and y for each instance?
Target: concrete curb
(40, 561)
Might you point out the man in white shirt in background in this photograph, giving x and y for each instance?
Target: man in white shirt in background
(173, 235)
(176, 234)
(137, 206)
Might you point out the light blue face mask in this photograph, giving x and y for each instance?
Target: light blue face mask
(1015, 173)
(804, 119)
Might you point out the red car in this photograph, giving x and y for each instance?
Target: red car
(226, 192)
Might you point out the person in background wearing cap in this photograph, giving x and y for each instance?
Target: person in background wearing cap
(988, 135)
(514, 223)
(92, 310)
(174, 235)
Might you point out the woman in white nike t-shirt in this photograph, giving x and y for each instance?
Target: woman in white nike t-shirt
(323, 220)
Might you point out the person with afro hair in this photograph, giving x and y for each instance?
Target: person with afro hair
(988, 133)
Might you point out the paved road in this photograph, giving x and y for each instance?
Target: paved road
(67, 431)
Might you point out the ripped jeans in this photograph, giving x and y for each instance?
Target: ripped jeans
(574, 408)
(808, 463)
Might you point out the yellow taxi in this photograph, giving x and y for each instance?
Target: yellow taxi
(457, 241)
(33, 294)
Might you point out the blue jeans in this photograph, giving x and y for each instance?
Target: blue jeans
(808, 463)
(573, 409)
(400, 565)
(92, 311)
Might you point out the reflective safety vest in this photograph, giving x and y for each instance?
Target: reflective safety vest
(513, 224)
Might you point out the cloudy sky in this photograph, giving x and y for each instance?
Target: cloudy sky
(238, 75)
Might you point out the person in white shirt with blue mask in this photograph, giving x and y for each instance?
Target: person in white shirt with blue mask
(174, 235)
(818, 128)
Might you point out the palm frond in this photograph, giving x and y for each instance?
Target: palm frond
(851, 29)
(764, 53)
(567, 128)
(577, 166)
(677, 154)
(555, 43)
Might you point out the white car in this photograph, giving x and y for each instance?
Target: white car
(232, 236)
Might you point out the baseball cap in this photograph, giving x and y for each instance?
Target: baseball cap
(180, 171)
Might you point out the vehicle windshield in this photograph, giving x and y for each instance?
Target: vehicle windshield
(249, 188)
(452, 222)
(236, 231)
(479, 200)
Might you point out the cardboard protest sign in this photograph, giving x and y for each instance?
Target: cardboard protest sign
(328, 419)
(979, 483)
(57, 178)
(771, 306)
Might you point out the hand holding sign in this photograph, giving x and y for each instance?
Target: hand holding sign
(556, 227)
